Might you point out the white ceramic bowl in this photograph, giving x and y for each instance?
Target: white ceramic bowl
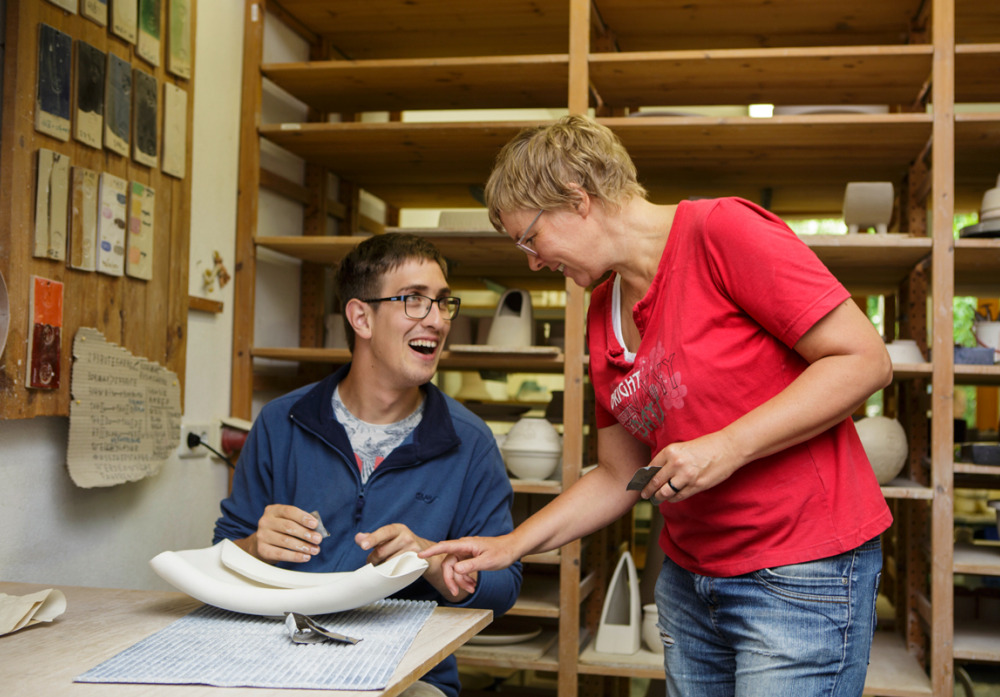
(530, 464)
(904, 351)
(533, 433)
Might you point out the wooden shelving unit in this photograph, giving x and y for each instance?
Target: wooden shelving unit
(669, 58)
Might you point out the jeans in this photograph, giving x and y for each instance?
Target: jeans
(803, 630)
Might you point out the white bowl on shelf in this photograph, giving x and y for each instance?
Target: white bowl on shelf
(530, 464)
(904, 351)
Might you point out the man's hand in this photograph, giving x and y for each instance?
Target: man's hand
(390, 540)
(284, 533)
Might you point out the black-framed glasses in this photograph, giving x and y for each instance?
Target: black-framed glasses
(521, 244)
(417, 306)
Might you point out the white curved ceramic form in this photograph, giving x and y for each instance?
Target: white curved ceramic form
(513, 322)
(868, 204)
(621, 617)
(988, 336)
(225, 576)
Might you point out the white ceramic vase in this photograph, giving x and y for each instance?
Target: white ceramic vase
(513, 323)
(885, 444)
(650, 630)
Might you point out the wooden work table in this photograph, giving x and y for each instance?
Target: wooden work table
(101, 622)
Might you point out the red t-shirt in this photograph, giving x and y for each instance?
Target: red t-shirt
(734, 291)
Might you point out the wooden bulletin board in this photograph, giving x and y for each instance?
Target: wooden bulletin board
(146, 317)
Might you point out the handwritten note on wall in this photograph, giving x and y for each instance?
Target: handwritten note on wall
(124, 416)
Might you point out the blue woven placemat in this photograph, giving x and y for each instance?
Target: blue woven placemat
(217, 647)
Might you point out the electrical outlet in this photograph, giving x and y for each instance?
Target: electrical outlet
(203, 431)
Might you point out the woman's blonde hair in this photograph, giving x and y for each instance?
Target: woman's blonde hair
(537, 168)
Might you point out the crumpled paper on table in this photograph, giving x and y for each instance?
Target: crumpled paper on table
(20, 611)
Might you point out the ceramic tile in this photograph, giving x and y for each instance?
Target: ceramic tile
(88, 124)
(174, 130)
(95, 10)
(52, 99)
(83, 221)
(139, 234)
(144, 117)
(111, 225)
(148, 48)
(68, 5)
(51, 204)
(45, 341)
(118, 105)
(125, 19)
(179, 39)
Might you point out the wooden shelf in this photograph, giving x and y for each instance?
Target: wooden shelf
(901, 488)
(681, 24)
(977, 641)
(865, 263)
(406, 29)
(977, 152)
(976, 68)
(868, 263)
(540, 595)
(449, 359)
(507, 657)
(490, 82)
(977, 374)
(977, 264)
(641, 664)
(983, 560)
(804, 160)
(813, 75)
(536, 486)
(892, 671)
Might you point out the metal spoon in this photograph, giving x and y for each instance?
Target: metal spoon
(303, 630)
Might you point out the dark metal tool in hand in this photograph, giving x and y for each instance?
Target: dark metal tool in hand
(641, 478)
(304, 630)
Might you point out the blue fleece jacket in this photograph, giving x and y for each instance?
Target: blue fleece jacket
(447, 480)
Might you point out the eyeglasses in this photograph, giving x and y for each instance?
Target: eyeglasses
(419, 306)
(521, 244)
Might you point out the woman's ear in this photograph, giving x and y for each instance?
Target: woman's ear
(359, 314)
(581, 200)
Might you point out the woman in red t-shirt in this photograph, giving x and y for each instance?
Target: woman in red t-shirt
(725, 354)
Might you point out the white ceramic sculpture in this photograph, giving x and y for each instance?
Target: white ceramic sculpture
(650, 630)
(619, 630)
(868, 204)
(990, 207)
(885, 444)
(227, 577)
(513, 323)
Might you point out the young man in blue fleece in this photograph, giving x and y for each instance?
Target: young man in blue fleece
(389, 462)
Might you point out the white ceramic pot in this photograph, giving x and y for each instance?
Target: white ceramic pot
(885, 444)
(868, 204)
(988, 335)
(651, 632)
(530, 464)
(535, 434)
(990, 207)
